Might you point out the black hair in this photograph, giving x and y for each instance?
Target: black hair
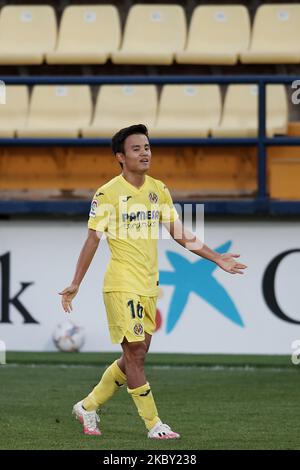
(117, 143)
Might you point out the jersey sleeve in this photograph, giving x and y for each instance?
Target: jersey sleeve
(100, 212)
(168, 212)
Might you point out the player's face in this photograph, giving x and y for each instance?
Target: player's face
(137, 153)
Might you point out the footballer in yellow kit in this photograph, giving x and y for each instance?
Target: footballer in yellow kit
(130, 218)
(128, 210)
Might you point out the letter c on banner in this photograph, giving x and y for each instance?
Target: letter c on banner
(268, 286)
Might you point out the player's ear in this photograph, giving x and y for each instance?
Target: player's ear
(120, 157)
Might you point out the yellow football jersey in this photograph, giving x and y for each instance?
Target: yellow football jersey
(130, 218)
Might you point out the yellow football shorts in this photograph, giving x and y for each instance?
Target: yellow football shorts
(129, 315)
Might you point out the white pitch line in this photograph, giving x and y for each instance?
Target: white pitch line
(212, 368)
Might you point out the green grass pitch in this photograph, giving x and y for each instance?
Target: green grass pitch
(213, 401)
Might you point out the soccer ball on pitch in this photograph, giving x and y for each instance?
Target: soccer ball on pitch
(68, 337)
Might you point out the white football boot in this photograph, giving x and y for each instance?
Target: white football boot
(162, 431)
(88, 419)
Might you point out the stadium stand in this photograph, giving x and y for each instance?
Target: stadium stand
(57, 111)
(240, 113)
(187, 111)
(217, 35)
(27, 33)
(183, 110)
(275, 35)
(153, 35)
(114, 53)
(119, 106)
(100, 35)
(13, 114)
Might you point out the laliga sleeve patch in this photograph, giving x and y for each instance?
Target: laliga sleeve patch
(94, 206)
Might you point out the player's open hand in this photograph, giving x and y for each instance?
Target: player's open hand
(68, 295)
(228, 263)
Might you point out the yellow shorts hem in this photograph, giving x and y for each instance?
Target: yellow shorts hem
(129, 315)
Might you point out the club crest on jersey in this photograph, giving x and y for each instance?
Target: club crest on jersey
(153, 198)
(138, 329)
(94, 206)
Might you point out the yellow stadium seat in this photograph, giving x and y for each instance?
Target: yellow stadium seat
(58, 111)
(121, 106)
(88, 35)
(276, 35)
(217, 35)
(153, 34)
(277, 110)
(187, 111)
(13, 113)
(27, 33)
(240, 112)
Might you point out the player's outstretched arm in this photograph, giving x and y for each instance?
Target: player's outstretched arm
(184, 237)
(85, 258)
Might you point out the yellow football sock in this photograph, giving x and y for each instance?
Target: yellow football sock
(144, 401)
(112, 379)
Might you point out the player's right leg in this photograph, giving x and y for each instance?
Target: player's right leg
(114, 376)
(85, 411)
(89, 419)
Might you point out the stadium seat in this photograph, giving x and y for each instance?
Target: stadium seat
(120, 106)
(240, 112)
(27, 33)
(58, 111)
(100, 35)
(276, 35)
(153, 34)
(217, 35)
(277, 110)
(14, 113)
(187, 111)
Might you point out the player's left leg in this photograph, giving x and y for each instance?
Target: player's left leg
(111, 381)
(121, 360)
(85, 410)
(138, 387)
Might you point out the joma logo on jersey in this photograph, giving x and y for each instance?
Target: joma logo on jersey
(140, 215)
